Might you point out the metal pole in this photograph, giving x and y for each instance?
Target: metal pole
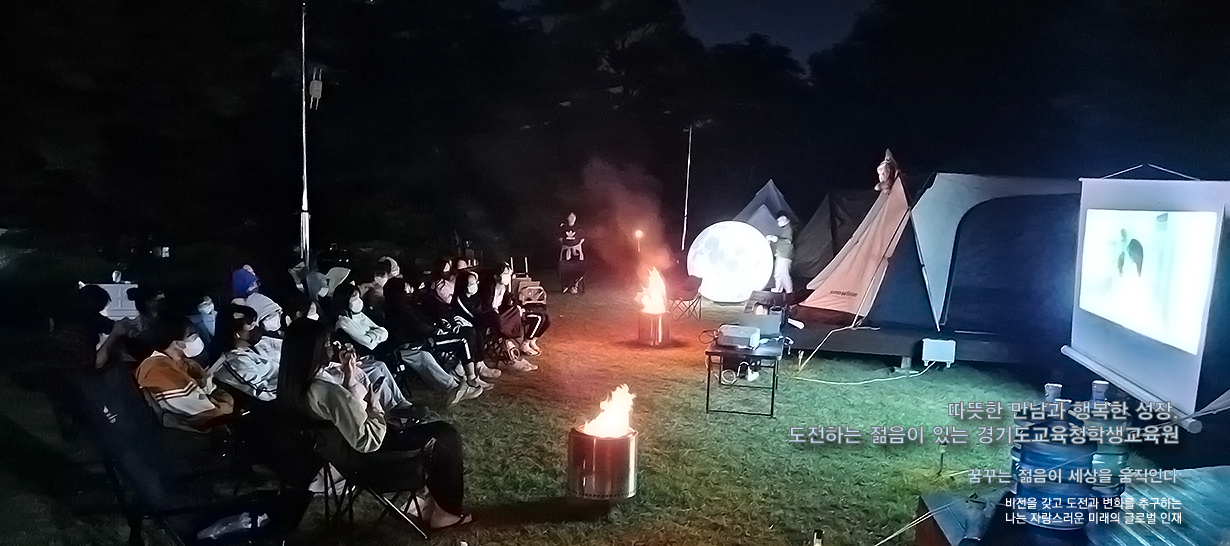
(304, 216)
(687, 188)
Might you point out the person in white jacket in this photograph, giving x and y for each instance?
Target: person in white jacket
(251, 362)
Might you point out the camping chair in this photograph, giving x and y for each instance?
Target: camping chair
(527, 290)
(684, 300)
(384, 476)
(149, 486)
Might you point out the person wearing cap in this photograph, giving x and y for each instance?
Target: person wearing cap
(246, 287)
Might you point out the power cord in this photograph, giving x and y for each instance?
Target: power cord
(929, 366)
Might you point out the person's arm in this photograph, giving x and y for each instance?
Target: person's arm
(361, 424)
(104, 352)
(361, 332)
(249, 374)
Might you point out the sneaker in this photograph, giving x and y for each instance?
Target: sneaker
(487, 372)
(478, 382)
(524, 365)
(528, 349)
(463, 392)
(534, 345)
(752, 375)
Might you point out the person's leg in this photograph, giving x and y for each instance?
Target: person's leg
(425, 365)
(787, 282)
(778, 284)
(389, 393)
(445, 467)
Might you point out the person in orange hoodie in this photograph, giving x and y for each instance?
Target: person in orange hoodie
(176, 386)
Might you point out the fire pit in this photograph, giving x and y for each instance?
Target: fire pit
(654, 324)
(602, 453)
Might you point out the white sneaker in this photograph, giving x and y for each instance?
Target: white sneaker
(524, 365)
(535, 347)
(478, 381)
(463, 392)
(528, 349)
(752, 375)
(487, 372)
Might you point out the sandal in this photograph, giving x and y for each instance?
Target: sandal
(465, 519)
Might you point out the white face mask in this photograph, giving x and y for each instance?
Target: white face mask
(471, 289)
(356, 306)
(193, 347)
(506, 279)
(206, 308)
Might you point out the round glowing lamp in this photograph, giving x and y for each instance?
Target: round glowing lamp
(732, 259)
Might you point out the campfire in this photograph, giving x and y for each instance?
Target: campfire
(602, 453)
(654, 324)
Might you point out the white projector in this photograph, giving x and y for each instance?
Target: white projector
(746, 337)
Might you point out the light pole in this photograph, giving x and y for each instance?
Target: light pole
(687, 189)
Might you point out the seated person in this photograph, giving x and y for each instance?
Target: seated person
(534, 321)
(249, 361)
(412, 334)
(246, 287)
(438, 304)
(179, 390)
(92, 332)
(300, 305)
(468, 305)
(369, 338)
(373, 292)
(205, 321)
(130, 333)
(343, 400)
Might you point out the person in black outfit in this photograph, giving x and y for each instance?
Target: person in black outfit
(571, 254)
(413, 336)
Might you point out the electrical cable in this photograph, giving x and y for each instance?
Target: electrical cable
(917, 521)
(929, 366)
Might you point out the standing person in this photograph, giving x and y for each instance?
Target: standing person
(783, 252)
(571, 254)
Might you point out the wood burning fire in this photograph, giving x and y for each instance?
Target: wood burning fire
(654, 324)
(602, 453)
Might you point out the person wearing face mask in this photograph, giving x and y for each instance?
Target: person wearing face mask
(439, 305)
(249, 361)
(469, 307)
(246, 287)
(368, 339)
(205, 321)
(181, 393)
(414, 338)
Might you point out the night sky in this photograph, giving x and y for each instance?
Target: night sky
(804, 26)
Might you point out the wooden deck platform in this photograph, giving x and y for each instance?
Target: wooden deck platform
(1205, 518)
(971, 347)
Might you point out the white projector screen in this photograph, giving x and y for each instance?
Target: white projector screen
(1149, 271)
(1147, 257)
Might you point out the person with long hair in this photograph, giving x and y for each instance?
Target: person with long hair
(413, 336)
(520, 325)
(438, 304)
(309, 387)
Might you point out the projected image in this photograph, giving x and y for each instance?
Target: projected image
(1150, 271)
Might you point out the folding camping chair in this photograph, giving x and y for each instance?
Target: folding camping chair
(387, 477)
(527, 290)
(684, 299)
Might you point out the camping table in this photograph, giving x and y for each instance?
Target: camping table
(767, 356)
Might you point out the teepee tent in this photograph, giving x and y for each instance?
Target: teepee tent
(772, 200)
(974, 254)
(828, 230)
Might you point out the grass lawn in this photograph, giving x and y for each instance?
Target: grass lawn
(704, 479)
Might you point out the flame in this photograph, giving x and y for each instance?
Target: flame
(653, 295)
(613, 421)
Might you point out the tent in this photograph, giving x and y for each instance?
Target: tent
(829, 229)
(974, 254)
(771, 200)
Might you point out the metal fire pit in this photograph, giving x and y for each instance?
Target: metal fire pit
(601, 469)
(654, 330)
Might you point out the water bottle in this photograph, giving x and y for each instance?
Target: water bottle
(1052, 391)
(1109, 457)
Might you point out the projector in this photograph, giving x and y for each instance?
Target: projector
(744, 337)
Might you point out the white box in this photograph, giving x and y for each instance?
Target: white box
(939, 350)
